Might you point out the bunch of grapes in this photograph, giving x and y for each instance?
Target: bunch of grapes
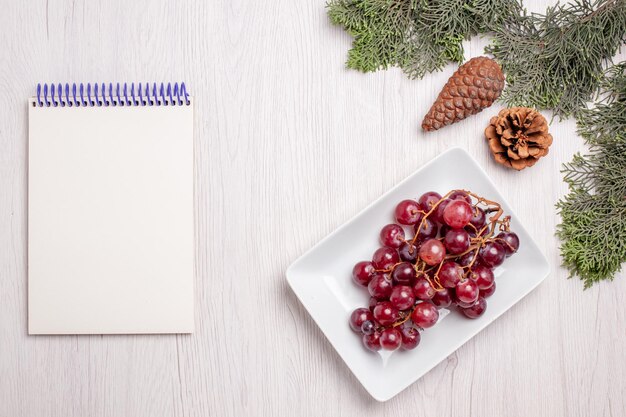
(458, 240)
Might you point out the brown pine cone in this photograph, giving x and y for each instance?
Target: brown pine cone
(518, 137)
(472, 88)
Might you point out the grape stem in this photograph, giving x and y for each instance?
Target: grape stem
(404, 319)
(494, 223)
(504, 242)
(477, 242)
(433, 208)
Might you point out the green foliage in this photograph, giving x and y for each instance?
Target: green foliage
(379, 28)
(593, 228)
(555, 61)
(418, 36)
(551, 61)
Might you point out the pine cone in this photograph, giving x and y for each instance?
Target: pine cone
(518, 137)
(473, 87)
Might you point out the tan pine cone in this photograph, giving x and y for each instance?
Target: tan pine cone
(472, 88)
(518, 137)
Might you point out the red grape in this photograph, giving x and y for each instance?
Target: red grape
(445, 231)
(492, 254)
(402, 297)
(425, 315)
(474, 232)
(423, 290)
(476, 310)
(489, 291)
(437, 215)
(385, 258)
(368, 327)
(456, 241)
(483, 276)
(428, 230)
(359, 316)
(403, 274)
(363, 272)
(460, 195)
(380, 287)
(457, 214)
(478, 219)
(461, 304)
(450, 274)
(466, 291)
(432, 252)
(372, 341)
(442, 298)
(428, 200)
(509, 241)
(408, 252)
(385, 313)
(408, 212)
(466, 259)
(390, 339)
(410, 337)
(392, 236)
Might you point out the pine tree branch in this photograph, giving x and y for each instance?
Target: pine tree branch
(419, 36)
(555, 61)
(593, 213)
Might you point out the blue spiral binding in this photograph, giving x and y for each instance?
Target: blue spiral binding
(98, 95)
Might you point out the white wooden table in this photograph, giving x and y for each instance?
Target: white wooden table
(289, 145)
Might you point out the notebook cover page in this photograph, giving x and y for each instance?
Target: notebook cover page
(110, 220)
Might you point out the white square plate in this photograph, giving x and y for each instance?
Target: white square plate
(321, 279)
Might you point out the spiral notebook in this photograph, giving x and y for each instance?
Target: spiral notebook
(110, 209)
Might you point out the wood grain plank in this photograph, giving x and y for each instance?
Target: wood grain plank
(289, 145)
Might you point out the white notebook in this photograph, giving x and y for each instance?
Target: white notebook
(110, 210)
